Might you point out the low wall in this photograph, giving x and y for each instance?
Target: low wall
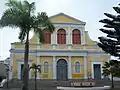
(84, 88)
(82, 84)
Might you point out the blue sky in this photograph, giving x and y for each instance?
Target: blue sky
(89, 11)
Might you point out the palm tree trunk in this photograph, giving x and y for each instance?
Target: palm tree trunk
(25, 71)
(35, 79)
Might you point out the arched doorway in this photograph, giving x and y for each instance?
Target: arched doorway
(62, 70)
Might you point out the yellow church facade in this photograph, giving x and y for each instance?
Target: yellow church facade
(68, 53)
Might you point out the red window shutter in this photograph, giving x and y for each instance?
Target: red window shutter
(47, 37)
(61, 36)
(76, 38)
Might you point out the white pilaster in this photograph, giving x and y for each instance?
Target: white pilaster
(68, 36)
(38, 63)
(55, 36)
(85, 67)
(69, 68)
(84, 42)
(54, 67)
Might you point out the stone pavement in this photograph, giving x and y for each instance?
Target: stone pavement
(52, 84)
(10, 89)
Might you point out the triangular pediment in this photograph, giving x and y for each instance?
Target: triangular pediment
(63, 18)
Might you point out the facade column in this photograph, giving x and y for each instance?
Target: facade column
(84, 42)
(55, 36)
(85, 67)
(69, 36)
(70, 33)
(38, 63)
(54, 67)
(69, 68)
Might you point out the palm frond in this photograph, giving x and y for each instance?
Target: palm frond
(44, 22)
(11, 17)
(15, 4)
(40, 34)
(32, 7)
(39, 70)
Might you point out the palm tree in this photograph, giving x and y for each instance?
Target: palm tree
(111, 68)
(35, 68)
(21, 15)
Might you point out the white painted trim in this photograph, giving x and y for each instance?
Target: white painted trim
(54, 67)
(19, 69)
(12, 46)
(63, 53)
(69, 68)
(75, 65)
(69, 36)
(66, 31)
(84, 42)
(62, 58)
(108, 58)
(81, 32)
(85, 67)
(67, 65)
(38, 63)
(97, 62)
(69, 53)
(53, 37)
(48, 67)
(67, 25)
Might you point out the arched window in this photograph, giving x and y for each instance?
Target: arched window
(77, 67)
(46, 67)
(47, 37)
(76, 38)
(61, 36)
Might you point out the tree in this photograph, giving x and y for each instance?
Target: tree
(36, 68)
(111, 68)
(111, 43)
(21, 15)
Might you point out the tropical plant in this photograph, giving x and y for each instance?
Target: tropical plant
(36, 68)
(111, 43)
(111, 68)
(20, 14)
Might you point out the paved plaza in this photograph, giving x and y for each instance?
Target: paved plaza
(52, 84)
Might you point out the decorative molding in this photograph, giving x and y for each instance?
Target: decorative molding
(97, 62)
(60, 52)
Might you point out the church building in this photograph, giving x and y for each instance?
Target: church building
(67, 53)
